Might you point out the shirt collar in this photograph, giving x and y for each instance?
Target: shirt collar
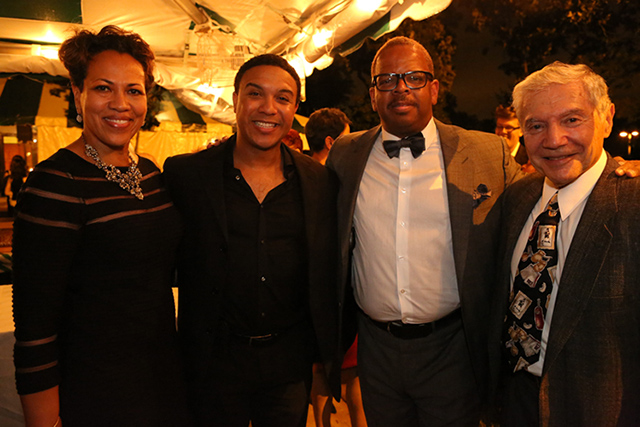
(515, 149)
(288, 167)
(572, 195)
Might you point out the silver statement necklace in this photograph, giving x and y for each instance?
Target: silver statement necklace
(128, 181)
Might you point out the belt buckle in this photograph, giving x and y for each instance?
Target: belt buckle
(261, 339)
(397, 325)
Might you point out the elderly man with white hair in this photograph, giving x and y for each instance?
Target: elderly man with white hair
(568, 322)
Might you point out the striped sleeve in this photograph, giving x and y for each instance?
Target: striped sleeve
(46, 237)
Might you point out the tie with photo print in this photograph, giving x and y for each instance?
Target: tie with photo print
(529, 298)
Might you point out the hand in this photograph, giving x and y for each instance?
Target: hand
(630, 168)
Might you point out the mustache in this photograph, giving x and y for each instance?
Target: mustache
(402, 99)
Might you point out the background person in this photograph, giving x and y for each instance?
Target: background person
(94, 245)
(323, 128)
(508, 127)
(293, 140)
(13, 181)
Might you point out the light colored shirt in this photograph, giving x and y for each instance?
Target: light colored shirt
(515, 149)
(571, 201)
(403, 265)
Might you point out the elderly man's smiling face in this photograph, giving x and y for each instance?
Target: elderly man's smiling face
(564, 134)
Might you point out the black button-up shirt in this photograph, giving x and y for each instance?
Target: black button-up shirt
(266, 287)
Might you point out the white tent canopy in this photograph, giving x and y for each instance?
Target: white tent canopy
(199, 46)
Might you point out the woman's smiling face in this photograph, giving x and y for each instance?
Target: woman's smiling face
(113, 101)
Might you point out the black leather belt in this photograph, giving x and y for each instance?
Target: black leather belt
(409, 331)
(256, 341)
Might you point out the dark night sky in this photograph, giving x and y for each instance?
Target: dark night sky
(478, 79)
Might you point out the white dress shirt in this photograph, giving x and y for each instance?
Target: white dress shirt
(403, 265)
(515, 149)
(571, 201)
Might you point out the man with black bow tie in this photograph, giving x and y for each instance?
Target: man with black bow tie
(418, 233)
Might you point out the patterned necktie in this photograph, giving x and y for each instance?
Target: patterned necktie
(414, 142)
(531, 291)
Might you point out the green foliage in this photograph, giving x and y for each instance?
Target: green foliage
(600, 33)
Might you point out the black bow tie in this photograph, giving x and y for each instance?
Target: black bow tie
(414, 142)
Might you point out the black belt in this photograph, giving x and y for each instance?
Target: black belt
(257, 340)
(409, 331)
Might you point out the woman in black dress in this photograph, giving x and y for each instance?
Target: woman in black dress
(94, 243)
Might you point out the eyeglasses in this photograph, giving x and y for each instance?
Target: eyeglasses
(507, 129)
(412, 79)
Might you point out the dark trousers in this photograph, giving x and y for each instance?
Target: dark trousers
(416, 382)
(520, 400)
(267, 384)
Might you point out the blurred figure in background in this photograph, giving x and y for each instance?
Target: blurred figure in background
(293, 140)
(13, 181)
(508, 127)
(323, 128)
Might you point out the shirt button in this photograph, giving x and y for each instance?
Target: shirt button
(403, 190)
(401, 257)
(262, 242)
(402, 291)
(237, 177)
(263, 279)
(402, 223)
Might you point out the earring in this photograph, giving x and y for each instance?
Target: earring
(79, 118)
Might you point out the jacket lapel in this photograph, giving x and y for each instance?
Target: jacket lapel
(211, 174)
(584, 261)
(459, 174)
(309, 188)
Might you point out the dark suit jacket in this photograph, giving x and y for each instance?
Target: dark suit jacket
(591, 373)
(471, 159)
(195, 182)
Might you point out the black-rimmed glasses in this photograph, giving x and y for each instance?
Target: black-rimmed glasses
(412, 79)
(507, 129)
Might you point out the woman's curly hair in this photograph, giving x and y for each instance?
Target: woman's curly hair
(77, 52)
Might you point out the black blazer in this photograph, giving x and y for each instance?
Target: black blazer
(195, 182)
